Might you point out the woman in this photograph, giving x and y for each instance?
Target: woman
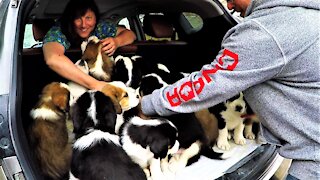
(79, 21)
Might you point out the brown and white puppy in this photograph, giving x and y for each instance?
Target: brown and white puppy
(100, 64)
(122, 96)
(48, 132)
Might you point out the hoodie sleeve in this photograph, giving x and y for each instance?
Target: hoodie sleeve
(249, 55)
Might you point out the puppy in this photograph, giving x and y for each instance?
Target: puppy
(100, 64)
(77, 90)
(122, 96)
(97, 153)
(192, 138)
(149, 142)
(230, 117)
(251, 122)
(48, 132)
(128, 70)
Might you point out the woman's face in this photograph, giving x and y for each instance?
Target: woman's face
(84, 25)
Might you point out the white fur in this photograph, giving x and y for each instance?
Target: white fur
(234, 121)
(92, 110)
(158, 77)
(44, 113)
(97, 68)
(135, 57)
(163, 67)
(119, 122)
(180, 161)
(93, 137)
(140, 155)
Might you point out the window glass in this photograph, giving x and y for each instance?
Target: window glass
(28, 40)
(148, 37)
(194, 20)
(124, 22)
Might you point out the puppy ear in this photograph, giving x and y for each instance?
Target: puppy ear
(79, 113)
(116, 104)
(106, 113)
(61, 100)
(159, 146)
(91, 51)
(114, 93)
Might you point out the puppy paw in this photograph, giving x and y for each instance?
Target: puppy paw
(229, 135)
(224, 145)
(240, 140)
(176, 163)
(250, 135)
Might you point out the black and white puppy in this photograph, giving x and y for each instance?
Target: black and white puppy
(231, 115)
(128, 70)
(149, 143)
(97, 153)
(192, 138)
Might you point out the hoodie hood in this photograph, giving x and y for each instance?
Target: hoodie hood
(267, 4)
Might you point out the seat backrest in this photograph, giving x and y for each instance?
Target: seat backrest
(158, 26)
(40, 27)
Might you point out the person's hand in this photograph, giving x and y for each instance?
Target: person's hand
(109, 45)
(98, 85)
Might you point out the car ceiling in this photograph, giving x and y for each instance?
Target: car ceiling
(47, 9)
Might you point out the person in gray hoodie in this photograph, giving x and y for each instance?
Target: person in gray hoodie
(273, 57)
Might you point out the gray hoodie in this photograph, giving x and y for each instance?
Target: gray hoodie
(273, 57)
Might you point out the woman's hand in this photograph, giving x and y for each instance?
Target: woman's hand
(98, 85)
(109, 45)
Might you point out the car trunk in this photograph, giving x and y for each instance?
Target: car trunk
(251, 161)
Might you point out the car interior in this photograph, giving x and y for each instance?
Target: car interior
(165, 33)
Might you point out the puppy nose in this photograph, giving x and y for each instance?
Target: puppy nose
(238, 108)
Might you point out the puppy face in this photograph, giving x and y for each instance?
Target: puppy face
(93, 110)
(123, 97)
(128, 70)
(53, 101)
(100, 65)
(236, 104)
(149, 83)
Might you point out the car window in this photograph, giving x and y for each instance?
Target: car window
(194, 20)
(3, 10)
(124, 22)
(190, 23)
(28, 40)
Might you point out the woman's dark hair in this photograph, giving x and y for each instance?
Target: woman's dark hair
(74, 10)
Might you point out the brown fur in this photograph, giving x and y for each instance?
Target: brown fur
(118, 96)
(209, 124)
(90, 55)
(49, 136)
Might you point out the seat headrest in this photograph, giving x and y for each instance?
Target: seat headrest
(157, 26)
(41, 27)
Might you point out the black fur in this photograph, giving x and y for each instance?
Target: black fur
(103, 159)
(189, 128)
(158, 138)
(121, 73)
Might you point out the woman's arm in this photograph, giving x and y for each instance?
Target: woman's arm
(61, 64)
(123, 37)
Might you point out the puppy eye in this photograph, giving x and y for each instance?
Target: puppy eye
(126, 95)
